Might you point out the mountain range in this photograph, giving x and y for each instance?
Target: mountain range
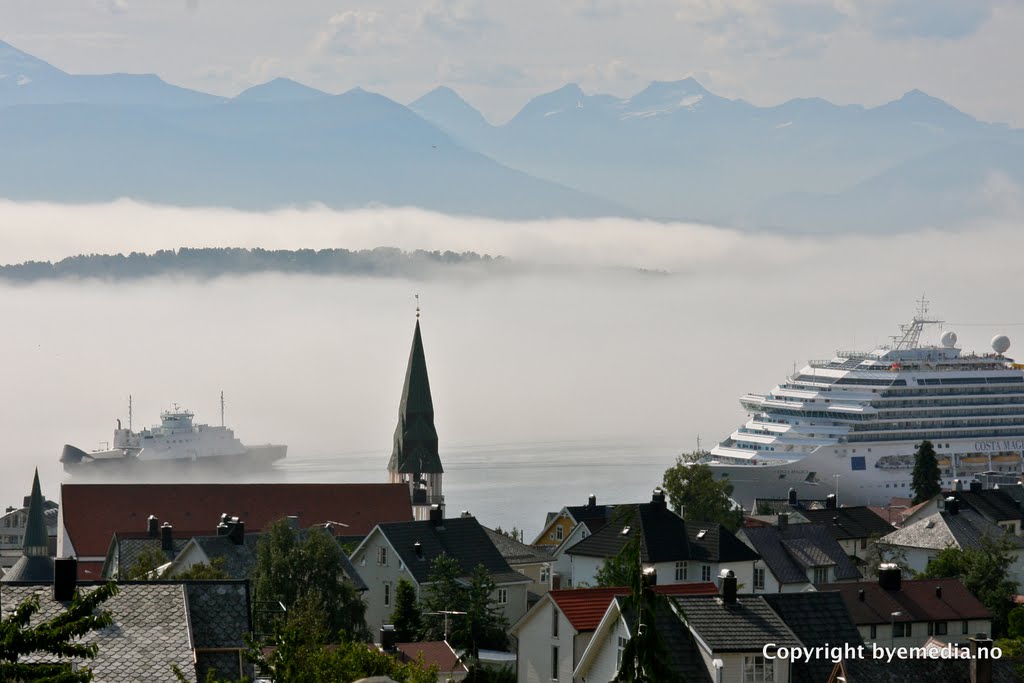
(673, 151)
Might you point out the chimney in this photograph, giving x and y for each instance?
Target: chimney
(981, 658)
(975, 486)
(223, 529)
(958, 485)
(860, 595)
(658, 498)
(592, 501)
(152, 525)
(890, 577)
(792, 496)
(436, 516)
(952, 505)
(938, 592)
(830, 501)
(727, 587)
(783, 522)
(388, 638)
(237, 531)
(293, 522)
(417, 548)
(650, 577)
(167, 537)
(465, 514)
(65, 578)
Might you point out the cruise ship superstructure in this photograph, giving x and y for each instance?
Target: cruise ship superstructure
(851, 425)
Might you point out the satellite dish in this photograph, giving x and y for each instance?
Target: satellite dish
(1000, 343)
(949, 339)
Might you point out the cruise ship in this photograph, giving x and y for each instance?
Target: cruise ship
(851, 425)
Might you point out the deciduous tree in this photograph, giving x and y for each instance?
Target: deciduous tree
(693, 489)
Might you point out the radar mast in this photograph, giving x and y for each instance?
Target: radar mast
(911, 333)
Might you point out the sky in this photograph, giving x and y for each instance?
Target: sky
(498, 54)
(586, 359)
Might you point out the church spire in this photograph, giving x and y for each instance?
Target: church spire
(415, 443)
(36, 540)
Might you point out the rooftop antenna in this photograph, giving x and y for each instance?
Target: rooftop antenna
(222, 408)
(417, 306)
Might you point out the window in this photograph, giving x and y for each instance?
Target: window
(705, 572)
(387, 593)
(864, 541)
(618, 653)
(820, 575)
(382, 555)
(502, 596)
(759, 578)
(554, 663)
(558, 532)
(554, 621)
(757, 669)
(681, 571)
(901, 630)
(545, 574)
(937, 628)
(963, 626)
(874, 631)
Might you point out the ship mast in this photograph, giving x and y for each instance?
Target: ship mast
(221, 408)
(129, 412)
(911, 334)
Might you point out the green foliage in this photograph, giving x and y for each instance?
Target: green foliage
(406, 616)
(481, 674)
(483, 626)
(985, 572)
(205, 572)
(298, 657)
(693, 488)
(55, 637)
(926, 481)
(1015, 623)
(514, 533)
(620, 569)
(305, 575)
(146, 566)
(882, 553)
(645, 658)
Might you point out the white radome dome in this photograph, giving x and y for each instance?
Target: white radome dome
(1000, 343)
(949, 339)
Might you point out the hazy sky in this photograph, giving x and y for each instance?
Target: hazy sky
(500, 53)
(317, 362)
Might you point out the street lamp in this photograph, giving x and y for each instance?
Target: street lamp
(892, 628)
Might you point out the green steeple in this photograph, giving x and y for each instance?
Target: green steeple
(415, 449)
(36, 542)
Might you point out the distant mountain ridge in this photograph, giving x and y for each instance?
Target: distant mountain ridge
(672, 151)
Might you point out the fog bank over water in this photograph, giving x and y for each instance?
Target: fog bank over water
(554, 384)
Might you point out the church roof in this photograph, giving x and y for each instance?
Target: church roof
(415, 448)
(36, 542)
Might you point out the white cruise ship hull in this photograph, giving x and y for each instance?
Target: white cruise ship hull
(107, 464)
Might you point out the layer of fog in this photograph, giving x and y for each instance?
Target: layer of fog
(548, 367)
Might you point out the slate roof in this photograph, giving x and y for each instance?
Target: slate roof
(790, 553)
(461, 538)
(130, 546)
(817, 619)
(848, 523)
(664, 537)
(515, 552)
(993, 504)
(93, 512)
(584, 607)
(774, 506)
(941, 529)
(1014, 491)
(149, 634)
(34, 568)
(682, 650)
(594, 516)
(415, 443)
(916, 598)
(219, 612)
(745, 626)
(238, 559)
(35, 564)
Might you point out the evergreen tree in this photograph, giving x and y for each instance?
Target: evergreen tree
(484, 626)
(406, 616)
(620, 569)
(644, 658)
(303, 571)
(692, 488)
(55, 637)
(926, 481)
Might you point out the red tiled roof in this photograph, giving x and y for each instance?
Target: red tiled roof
(916, 598)
(584, 607)
(434, 652)
(93, 512)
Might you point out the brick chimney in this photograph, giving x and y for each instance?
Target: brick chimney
(981, 658)
(152, 526)
(167, 537)
(728, 586)
(890, 577)
(65, 578)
